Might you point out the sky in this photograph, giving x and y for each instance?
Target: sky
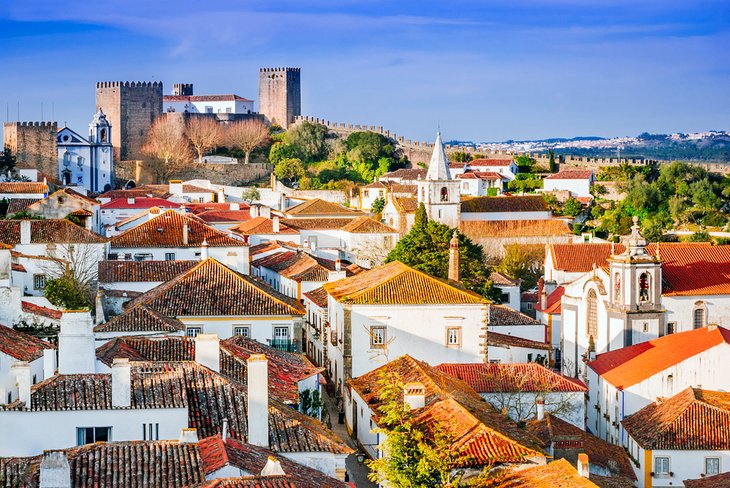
(487, 70)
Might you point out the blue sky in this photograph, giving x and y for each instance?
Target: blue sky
(484, 71)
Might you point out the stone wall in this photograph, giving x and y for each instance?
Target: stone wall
(33, 143)
(131, 108)
(280, 98)
(142, 172)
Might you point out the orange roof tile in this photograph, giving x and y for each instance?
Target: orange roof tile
(141, 271)
(571, 174)
(21, 346)
(528, 203)
(261, 225)
(717, 481)
(515, 377)
(49, 231)
(630, 365)
(489, 162)
(318, 296)
(475, 229)
(317, 207)
(558, 474)
(553, 303)
(693, 419)
(23, 187)
(397, 284)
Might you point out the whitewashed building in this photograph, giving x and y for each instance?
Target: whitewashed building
(577, 182)
(88, 163)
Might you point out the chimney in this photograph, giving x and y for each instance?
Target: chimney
(258, 400)
(176, 187)
(76, 348)
(25, 231)
(99, 308)
(188, 436)
(234, 206)
(55, 471)
(253, 210)
(221, 196)
(275, 224)
(121, 383)
(540, 403)
(273, 468)
(208, 351)
(49, 363)
(130, 200)
(265, 211)
(542, 293)
(454, 258)
(224, 435)
(338, 264)
(414, 395)
(21, 371)
(185, 232)
(583, 467)
(204, 250)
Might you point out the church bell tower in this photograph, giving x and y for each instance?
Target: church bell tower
(438, 191)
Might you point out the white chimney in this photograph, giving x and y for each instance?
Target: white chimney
(121, 383)
(258, 400)
(234, 206)
(130, 201)
(583, 466)
(275, 224)
(21, 371)
(414, 395)
(99, 308)
(204, 250)
(25, 231)
(176, 187)
(76, 348)
(185, 232)
(273, 468)
(265, 211)
(188, 436)
(224, 434)
(338, 264)
(55, 471)
(49, 363)
(254, 211)
(208, 351)
(221, 196)
(540, 403)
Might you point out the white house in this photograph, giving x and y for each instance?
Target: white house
(369, 193)
(207, 104)
(504, 167)
(679, 438)
(481, 183)
(118, 209)
(576, 181)
(87, 163)
(624, 381)
(10, 190)
(315, 302)
(19, 351)
(68, 202)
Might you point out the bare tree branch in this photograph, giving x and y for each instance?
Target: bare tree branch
(247, 135)
(167, 144)
(204, 134)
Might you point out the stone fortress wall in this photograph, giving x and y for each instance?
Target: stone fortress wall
(33, 144)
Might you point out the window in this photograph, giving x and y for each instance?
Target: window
(242, 330)
(530, 306)
(388, 242)
(39, 281)
(444, 194)
(313, 242)
(169, 256)
(698, 315)
(377, 336)
(644, 287)
(712, 466)
(365, 193)
(150, 432)
(89, 435)
(592, 315)
(646, 326)
(661, 466)
(143, 257)
(671, 327)
(617, 288)
(228, 110)
(453, 336)
(670, 382)
(193, 331)
(208, 109)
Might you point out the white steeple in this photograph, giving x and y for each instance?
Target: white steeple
(438, 168)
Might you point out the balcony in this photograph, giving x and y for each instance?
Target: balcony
(286, 345)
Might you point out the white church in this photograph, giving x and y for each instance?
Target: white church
(439, 192)
(86, 163)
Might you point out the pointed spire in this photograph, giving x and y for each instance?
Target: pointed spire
(438, 168)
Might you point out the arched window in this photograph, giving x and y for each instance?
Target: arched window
(617, 288)
(423, 194)
(644, 280)
(66, 158)
(699, 317)
(103, 135)
(444, 194)
(592, 315)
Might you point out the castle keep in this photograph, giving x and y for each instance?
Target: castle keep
(130, 107)
(280, 95)
(33, 143)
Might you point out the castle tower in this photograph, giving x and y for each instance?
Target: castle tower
(280, 96)
(33, 143)
(635, 312)
(438, 192)
(131, 108)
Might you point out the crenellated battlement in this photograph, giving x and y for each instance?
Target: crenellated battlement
(127, 84)
(279, 70)
(34, 124)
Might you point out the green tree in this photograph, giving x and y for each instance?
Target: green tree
(572, 207)
(520, 264)
(700, 236)
(652, 229)
(525, 183)
(461, 157)
(551, 163)
(378, 205)
(310, 403)
(281, 150)
(525, 163)
(65, 292)
(251, 195)
(309, 141)
(7, 160)
(289, 170)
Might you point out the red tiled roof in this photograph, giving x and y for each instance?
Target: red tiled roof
(22, 347)
(476, 229)
(18, 204)
(558, 474)
(717, 481)
(480, 175)
(553, 302)
(528, 203)
(140, 319)
(483, 162)
(405, 204)
(214, 216)
(502, 279)
(503, 315)
(200, 207)
(317, 206)
(693, 419)
(514, 377)
(48, 231)
(504, 340)
(40, 310)
(397, 284)
(113, 271)
(571, 174)
(166, 230)
(318, 296)
(138, 192)
(407, 174)
(204, 98)
(261, 225)
(630, 365)
(139, 202)
(23, 187)
(301, 266)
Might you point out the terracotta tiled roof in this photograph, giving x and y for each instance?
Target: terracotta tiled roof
(717, 481)
(486, 162)
(502, 279)
(166, 230)
(140, 191)
(301, 266)
(479, 432)
(527, 203)
(318, 296)
(139, 202)
(212, 289)
(217, 216)
(19, 204)
(261, 225)
(406, 204)
(23, 187)
(571, 174)
(558, 474)
(514, 377)
(400, 189)
(553, 302)
(200, 207)
(317, 206)
(40, 310)
(49, 231)
(481, 175)
(503, 340)
(397, 284)
(476, 229)
(503, 315)
(140, 319)
(82, 212)
(579, 258)
(554, 430)
(20, 346)
(186, 188)
(358, 225)
(113, 271)
(376, 184)
(407, 174)
(205, 98)
(633, 364)
(216, 454)
(264, 247)
(366, 225)
(249, 482)
(693, 419)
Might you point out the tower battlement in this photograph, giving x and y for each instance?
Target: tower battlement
(280, 95)
(129, 84)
